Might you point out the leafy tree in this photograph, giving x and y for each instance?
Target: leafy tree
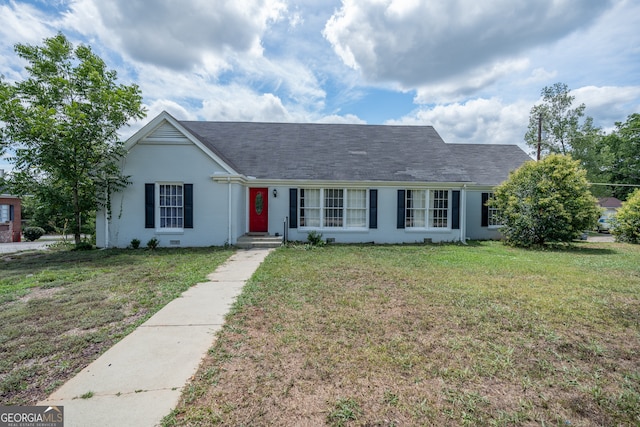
(62, 124)
(560, 121)
(545, 202)
(589, 149)
(621, 152)
(626, 223)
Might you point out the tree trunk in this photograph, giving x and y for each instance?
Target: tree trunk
(76, 214)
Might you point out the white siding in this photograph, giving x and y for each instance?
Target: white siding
(387, 231)
(475, 230)
(186, 164)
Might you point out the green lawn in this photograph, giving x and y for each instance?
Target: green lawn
(60, 310)
(428, 335)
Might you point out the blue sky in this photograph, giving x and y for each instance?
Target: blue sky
(471, 69)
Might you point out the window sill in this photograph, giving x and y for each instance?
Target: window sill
(169, 230)
(336, 229)
(428, 230)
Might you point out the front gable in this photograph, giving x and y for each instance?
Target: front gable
(165, 130)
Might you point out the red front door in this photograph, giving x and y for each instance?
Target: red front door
(258, 210)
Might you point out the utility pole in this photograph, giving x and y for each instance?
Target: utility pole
(539, 135)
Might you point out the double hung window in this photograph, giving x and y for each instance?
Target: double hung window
(333, 208)
(427, 208)
(168, 206)
(492, 219)
(171, 203)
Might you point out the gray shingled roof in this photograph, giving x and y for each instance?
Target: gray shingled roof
(348, 152)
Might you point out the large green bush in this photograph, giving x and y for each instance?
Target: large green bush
(545, 202)
(626, 223)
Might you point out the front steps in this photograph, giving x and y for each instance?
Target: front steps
(258, 240)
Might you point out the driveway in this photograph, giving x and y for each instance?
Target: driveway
(604, 237)
(40, 244)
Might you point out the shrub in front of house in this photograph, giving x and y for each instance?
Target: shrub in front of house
(314, 238)
(153, 243)
(625, 225)
(545, 202)
(83, 246)
(32, 233)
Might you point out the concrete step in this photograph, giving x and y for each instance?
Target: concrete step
(249, 241)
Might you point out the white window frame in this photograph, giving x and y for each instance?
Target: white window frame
(310, 202)
(492, 215)
(179, 210)
(426, 214)
(355, 212)
(415, 211)
(5, 213)
(344, 210)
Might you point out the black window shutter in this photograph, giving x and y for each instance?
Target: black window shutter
(455, 210)
(11, 212)
(373, 208)
(293, 208)
(149, 206)
(188, 205)
(401, 213)
(485, 210)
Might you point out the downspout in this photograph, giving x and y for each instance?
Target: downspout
(463, 215)
(106, 222)
(230, 210)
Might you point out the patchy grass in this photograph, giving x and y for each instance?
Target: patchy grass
(60, 310)
(482, 335)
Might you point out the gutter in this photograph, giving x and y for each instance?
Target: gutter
(463, 211)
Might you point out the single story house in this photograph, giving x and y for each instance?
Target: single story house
(197, 183)
(10, 216)
(609, 206)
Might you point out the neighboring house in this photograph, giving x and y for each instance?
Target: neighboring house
(10, 216)
(609, 206)
(209, 183)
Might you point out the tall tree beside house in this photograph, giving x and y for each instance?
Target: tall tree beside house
(560, 121)
(621, 154)
(62, 122)
(545, 202)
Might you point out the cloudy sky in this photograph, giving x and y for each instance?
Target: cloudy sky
(473, 69)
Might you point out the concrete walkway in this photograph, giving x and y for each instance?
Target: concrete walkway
(139, 380)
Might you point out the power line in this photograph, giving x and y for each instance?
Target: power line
(614, 185)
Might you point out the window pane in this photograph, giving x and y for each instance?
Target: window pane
(171, 206)
(416, 208)
(4, 213)
(309, 207)
(333, 207)
(494, 221)
(356, 208)
(439, 208)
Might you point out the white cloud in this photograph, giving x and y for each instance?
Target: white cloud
(238, 103)
(540, 75)
(608, 104)
(346, 119)
(462, 86)
(19, 23)
(478, 121)
(177, 35)
(422, 42)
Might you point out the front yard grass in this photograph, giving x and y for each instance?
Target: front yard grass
(60, 310)
(479, 335)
